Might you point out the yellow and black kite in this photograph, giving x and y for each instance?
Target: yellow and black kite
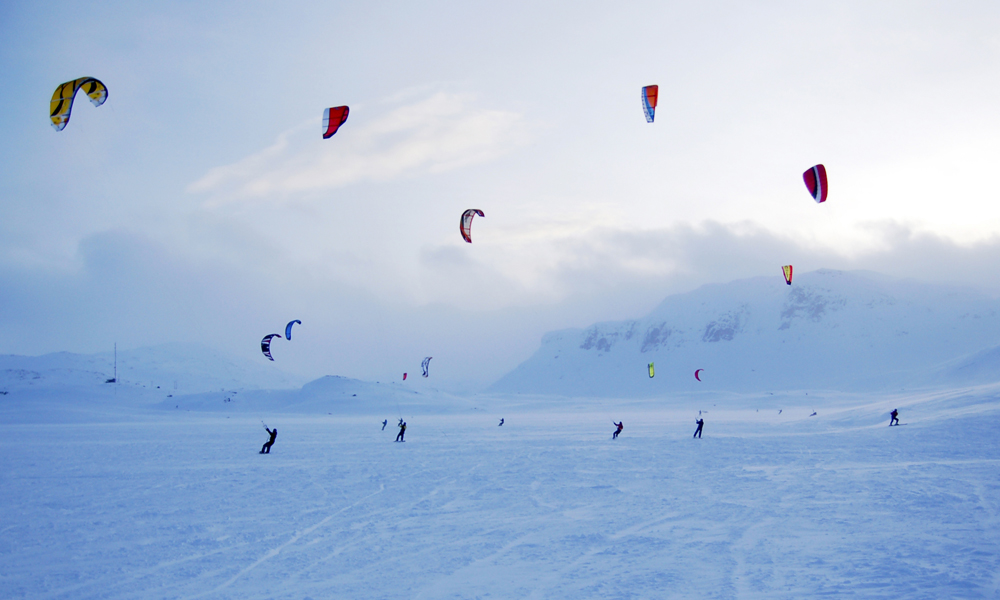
(62, 98)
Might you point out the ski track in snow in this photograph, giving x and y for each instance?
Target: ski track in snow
(181, 505)
(295, 538)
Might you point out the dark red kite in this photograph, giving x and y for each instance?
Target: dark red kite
(815, 179)
(333, 118)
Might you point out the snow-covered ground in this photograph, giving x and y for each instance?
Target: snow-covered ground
(119, 494)
(177, 368)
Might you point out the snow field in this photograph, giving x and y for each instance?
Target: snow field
(181, 505)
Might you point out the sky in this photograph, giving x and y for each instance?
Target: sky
(200, 202)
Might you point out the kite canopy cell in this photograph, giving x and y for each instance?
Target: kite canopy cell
(815, 178)
(787, 271)
(425, 365)
(465, 226)
(649, 94)
(265, 344)
(288, 328)
(650, 370)
(62, 99)
(333, 118)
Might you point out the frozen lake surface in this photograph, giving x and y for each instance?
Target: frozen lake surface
(145, 502)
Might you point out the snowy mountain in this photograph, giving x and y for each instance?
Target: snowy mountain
(830, 329)
(178, 368)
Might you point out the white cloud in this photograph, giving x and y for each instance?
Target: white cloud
(439, 133)
(623, 271)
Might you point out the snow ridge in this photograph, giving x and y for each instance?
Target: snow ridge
(179, 368)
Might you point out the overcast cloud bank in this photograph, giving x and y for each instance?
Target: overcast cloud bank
(476, 317)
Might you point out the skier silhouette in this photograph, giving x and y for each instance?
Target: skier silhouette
(384, 423)
(266, 448)
(697, 432)
(501, 423)
(617, 431)
(402, 430)
(895, 417)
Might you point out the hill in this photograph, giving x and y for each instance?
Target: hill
(177, 368)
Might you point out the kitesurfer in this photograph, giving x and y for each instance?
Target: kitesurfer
(402, 430)
(266, 448)
(697, 432)
(895, 417)
(617, 431)
(384, 423)
(501, 423)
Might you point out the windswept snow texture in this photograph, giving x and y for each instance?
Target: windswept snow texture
(163, 502)
(830, 329)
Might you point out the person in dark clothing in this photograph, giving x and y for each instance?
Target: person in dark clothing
(895, 417)
(402, 430)
(697, 432)
(384, 423)
(501, 423)
(266, 448)
(617, 431)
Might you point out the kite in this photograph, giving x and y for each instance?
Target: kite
(426, 364)
(288, 328)
(265, 345)
(696, 374)
(787, 270)
(62, 99)
(404, 376)
(650, 370)
(815, 178)
(333, 118)
(649, 94)
(465, 226)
